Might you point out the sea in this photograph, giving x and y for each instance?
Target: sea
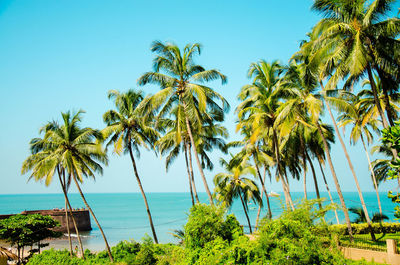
(123, 215)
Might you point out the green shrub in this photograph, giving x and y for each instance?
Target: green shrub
(297, 238)
(50, 257)
(207, 223)
(364, 229)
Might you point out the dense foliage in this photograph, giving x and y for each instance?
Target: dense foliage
(208, 223)
(212, 237)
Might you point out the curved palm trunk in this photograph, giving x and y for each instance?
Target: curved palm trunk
(69, 209)
(288, 190)
(385, 88)
(66, 217)
(315, 180)
(372, 174)
(190, 179)
(304, 178)
(143, 195)
(259, 206)
(376, 98)
(335, 179)
(191, 173)
(94, 217)
(328, 190)
(265, 192)
(285, 187)
(245, 212)
(68, 230)
(196, 155)
(352, 172)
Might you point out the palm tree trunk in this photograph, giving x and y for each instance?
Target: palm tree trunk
(94, 217)
(64, 188)
(143, 195)
(315, 180)
(372, 174)
(191, 173)
(284, 185)
(188, 171)
(335, 179)
(304, 178)
(68, 230)
(196, 155)
(264, 190)
(376, 97)
(385, 88)
(67, 220)
(352, 171)
(259, 206)
(288, 190)
(329, 191)
(245, 212)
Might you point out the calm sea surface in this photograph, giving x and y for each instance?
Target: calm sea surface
(123, 215)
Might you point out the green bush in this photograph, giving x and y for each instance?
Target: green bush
(298, 237)
(207, 223)
(364, 229)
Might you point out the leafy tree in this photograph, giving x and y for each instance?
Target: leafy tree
(391, 139)
(26, 230)
(181, 82)
(207, 223)
(127, 130)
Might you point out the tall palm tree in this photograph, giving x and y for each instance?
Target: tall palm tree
(316, 147)
(257, 112)
(362, 124)
(41, 162)
(260, 158)
(357, 33)
(127, 130)
(77, 151)
(181, 82)
(303, 102)
(231, 185)
(176, 139)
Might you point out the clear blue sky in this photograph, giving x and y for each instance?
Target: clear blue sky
(65, 55)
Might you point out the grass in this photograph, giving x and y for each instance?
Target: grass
(365, 241)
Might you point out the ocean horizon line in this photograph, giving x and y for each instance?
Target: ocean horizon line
(170, 192)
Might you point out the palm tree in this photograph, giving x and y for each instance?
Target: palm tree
(260, 158)
(41, 162)
(355, 115)
(231, 185)
(77, 151)
(360, 216)
(181, 82)
(357, 35)
(176, 139)
(305, 103)
(257, 112)
(127, 130)
(316, 147)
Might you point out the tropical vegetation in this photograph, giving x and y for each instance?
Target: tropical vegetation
(348, 66)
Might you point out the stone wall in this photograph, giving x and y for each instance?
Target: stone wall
(81, 216)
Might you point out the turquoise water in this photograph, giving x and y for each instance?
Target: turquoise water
(123, 216)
